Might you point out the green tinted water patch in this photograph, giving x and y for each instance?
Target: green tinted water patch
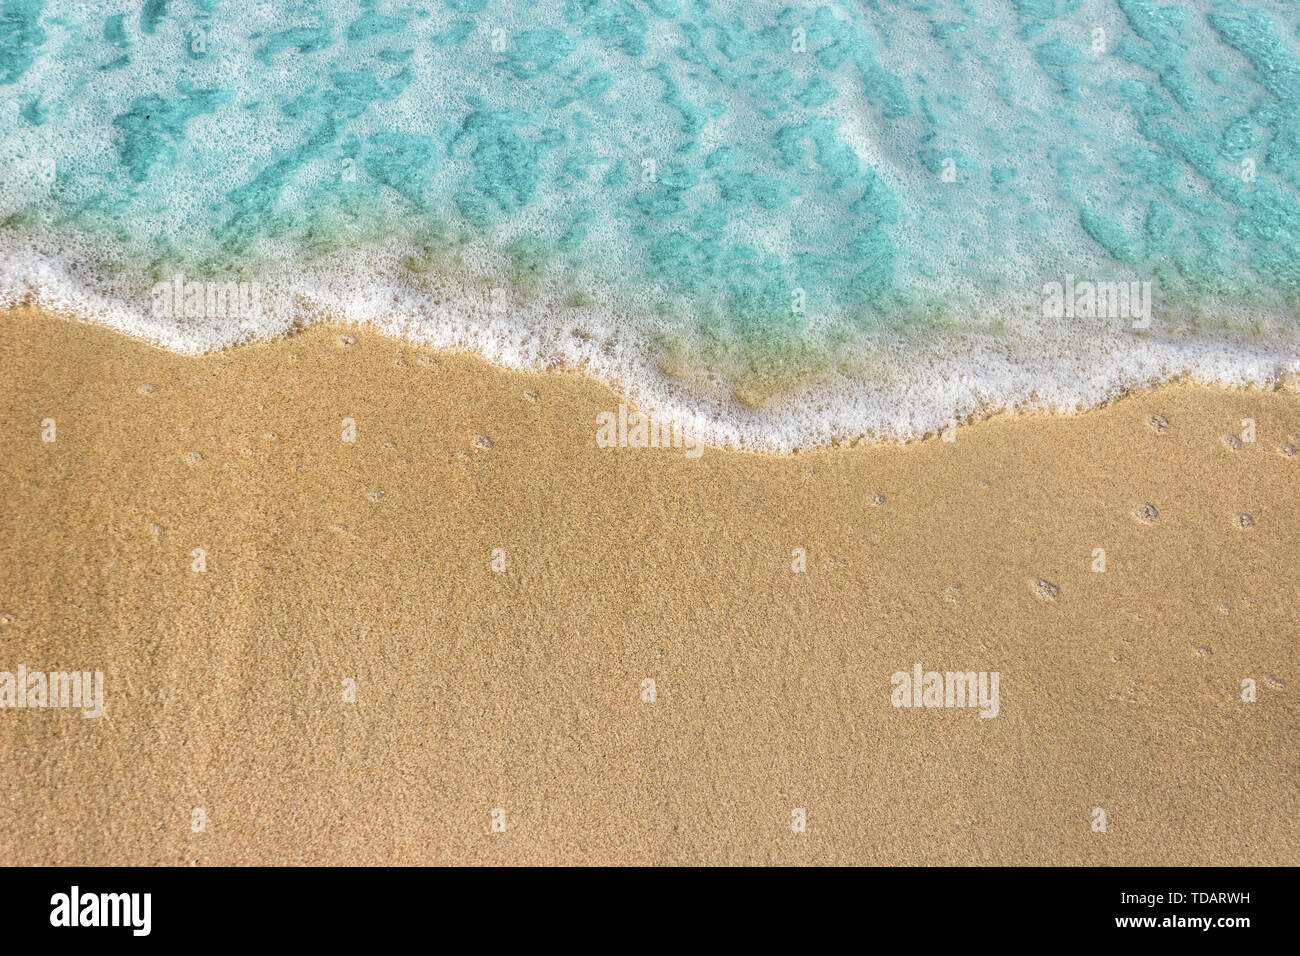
(154, 128)
(301, 39)
(21, 37)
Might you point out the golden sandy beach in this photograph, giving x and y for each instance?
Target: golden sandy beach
(330, 565)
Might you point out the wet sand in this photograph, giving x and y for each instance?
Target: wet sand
(369, 564)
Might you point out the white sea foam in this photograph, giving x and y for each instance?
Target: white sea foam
(886, 385)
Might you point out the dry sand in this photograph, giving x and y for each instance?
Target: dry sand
(521, 690)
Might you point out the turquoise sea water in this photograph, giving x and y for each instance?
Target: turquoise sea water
(794, 222)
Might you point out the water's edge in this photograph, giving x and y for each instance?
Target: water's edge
(901, 393)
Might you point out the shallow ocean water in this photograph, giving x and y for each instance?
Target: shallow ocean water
(788, 222)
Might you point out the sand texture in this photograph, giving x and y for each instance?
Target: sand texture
(369, 563)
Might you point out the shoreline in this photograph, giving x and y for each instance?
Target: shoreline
(523, 689)
(740, 427)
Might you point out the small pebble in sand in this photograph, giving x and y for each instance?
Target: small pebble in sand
(428, 360)
(346, 341)
(1245, 521)
(532, 395)
(1147, 513)
(877, 499)
(156, 529)
(193, 457)
(1233, 442)
(390, 445)
(1288, 449)
(1204, 652)
(376, 495)
(1046, 589)
(1158, 422)
(953, 594)
(482, 441)
(147, 389)
(6, 618)
(1274, 682)
(270, 436)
